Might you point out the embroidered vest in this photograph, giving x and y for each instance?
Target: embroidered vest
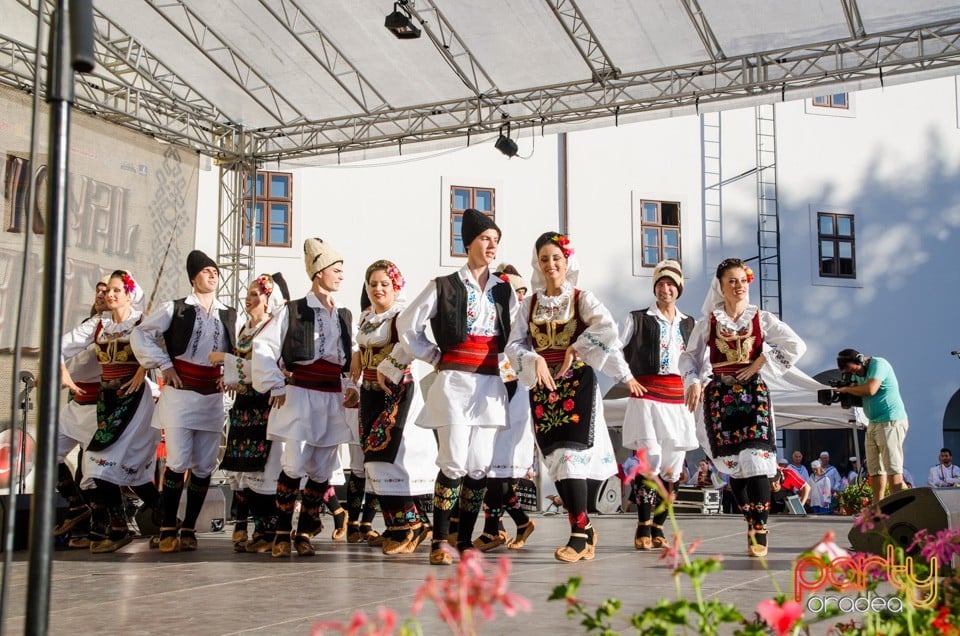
(643, 350)
(298, 345)
(732, 351)
(372, 355)
(551, 338)
(178, 335)
(450, 323)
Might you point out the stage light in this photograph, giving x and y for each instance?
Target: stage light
(504, 144)
(400, 22)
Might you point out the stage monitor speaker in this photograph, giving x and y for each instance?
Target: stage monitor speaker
(608, 498)
(908, 511)
(21, 531)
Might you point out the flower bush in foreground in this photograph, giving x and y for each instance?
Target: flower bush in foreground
(927, 604)
(464, 601)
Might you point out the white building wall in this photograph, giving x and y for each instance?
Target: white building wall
(892, 161)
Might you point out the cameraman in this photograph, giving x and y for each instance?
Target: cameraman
(875, 382)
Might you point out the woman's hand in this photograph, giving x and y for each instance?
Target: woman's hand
(693, 396)
(752, 369)
(351, 399)
(355, 367)
(216, 358)
(569, 357)
(277, 401)
(67, 380)
(133, 384)
(384, 383)
(636, 389)
(544, 378)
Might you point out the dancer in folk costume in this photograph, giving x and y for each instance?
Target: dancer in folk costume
(122, 450)
(470, 312)
(76, 425)
(513, 453)
(311, 338)
(658, 420)
(732, 348)
(400, 458)
(252, 459)
(178, 338)
(563, 337)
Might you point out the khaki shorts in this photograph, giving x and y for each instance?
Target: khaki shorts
(884, 447)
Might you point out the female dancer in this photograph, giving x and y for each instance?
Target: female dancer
(122, 452)
(728, 348)
(400, 458)
(564, 333)
(249, 454)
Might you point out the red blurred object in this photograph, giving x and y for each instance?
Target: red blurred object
(6, 455)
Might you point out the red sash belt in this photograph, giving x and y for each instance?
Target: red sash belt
(199, 378)
(90, 391)
(319, 375)
(368, 377)
(115, 371)
(553, 357)
(662, 388)
(477, 354)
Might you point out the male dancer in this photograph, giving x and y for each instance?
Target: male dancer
(190, 408)
(313, 338)
(470, 312)
(658, 420)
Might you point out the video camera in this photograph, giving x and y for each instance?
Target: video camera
(832, 396)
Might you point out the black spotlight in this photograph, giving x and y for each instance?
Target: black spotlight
(504, 144)
(400, 23)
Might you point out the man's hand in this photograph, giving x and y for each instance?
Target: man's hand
(170, 378)
(216, 358)
(352, 399)
(277, 401)
(355, 367)
(636, 389)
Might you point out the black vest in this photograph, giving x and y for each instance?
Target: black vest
(178, 334)
(643, 350)
(298, 345)
(450, 323)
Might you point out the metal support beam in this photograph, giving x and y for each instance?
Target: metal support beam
(602, 68)
(453, 49)
(851, 12)
(235, 256)
(702, 27)
(711, 178)
(314, 41)
(915, 52)
(209, 44)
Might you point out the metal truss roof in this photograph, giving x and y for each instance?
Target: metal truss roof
(324, 81)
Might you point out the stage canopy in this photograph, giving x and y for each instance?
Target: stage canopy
(324, 81)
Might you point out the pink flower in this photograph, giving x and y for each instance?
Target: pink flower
(943, 545)
(829, 548)
(673, 553)
(383, 624)
(781, 618)
(553, 397)
(868, 519)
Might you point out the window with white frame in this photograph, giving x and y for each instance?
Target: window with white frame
(268, 209)
(836, 245)
(462, 198)
(836, 100)
(659, 231)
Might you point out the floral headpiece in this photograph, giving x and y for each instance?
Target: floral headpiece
(749, 273)
(729, 263)
(393, 273)
(129, 285)
(563, 242)
(265, 284)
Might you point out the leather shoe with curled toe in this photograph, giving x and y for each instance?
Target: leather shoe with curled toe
(110, 545)
(188, 540)
(303, 545)
(281, 545)
(340, 522)
(486, 542)
(569, 555)
(441, 553)
(523, 533)
(421, 535)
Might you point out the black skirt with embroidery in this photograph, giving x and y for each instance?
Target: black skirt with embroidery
(247, 444)
(564, 418)
(382, 419)
(737, 416)
(114, 413)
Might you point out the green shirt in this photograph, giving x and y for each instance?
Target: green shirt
(886, 405)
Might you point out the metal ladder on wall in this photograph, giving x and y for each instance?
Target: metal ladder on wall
(712, 183)
(768, 215)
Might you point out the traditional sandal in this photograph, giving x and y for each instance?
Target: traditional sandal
(643, 541)
(569, 555)
(441, 553)
(340, 521)
(523, 533)
(486, 542)
(658, 539)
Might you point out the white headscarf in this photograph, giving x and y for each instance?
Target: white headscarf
(714, 298)
(539, 283)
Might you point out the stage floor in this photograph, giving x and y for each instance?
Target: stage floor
(215, 591)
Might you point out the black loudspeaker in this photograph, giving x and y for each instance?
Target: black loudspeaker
(908, 511)
(603, 497)
(21, 530)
